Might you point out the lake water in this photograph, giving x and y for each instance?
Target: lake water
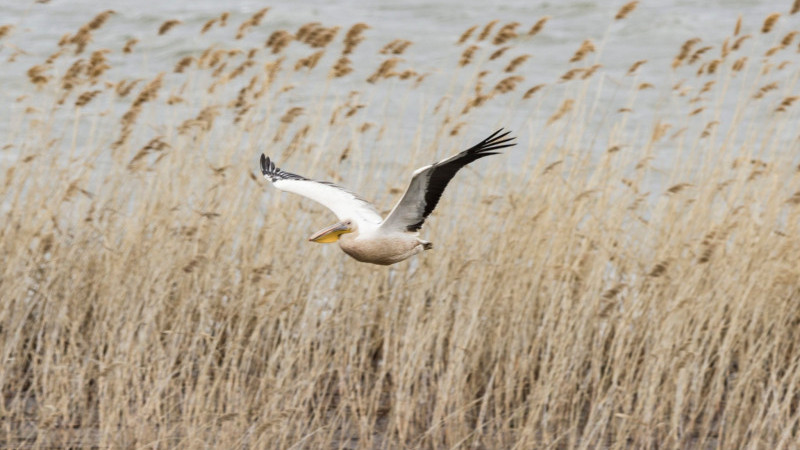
(653, 32)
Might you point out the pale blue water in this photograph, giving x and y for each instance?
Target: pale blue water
(654, 31)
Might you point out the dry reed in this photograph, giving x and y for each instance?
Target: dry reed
(538, 26)
(168, 25)
(770, 22)
(625, 10)
(157, 292)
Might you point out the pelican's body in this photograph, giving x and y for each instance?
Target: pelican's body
(382, 247)
(361, 232)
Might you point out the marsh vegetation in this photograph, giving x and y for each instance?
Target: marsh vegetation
(155, 292)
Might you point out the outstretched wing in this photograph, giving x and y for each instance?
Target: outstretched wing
(343, 203)
(428, 184)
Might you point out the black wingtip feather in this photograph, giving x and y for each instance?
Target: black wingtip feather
(443, 173)
(264, 164)
(273, 173)
(494, 142)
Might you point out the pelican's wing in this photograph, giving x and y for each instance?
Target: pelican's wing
(343, 203)
(428, 183)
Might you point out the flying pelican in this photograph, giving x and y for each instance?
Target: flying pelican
(361, 232)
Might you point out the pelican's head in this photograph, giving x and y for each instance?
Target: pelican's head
(332, 233)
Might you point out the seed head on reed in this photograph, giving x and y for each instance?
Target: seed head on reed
(786, 103)
(795, 198)
(315, 35)
(765, 89)
(643, 86)
(507, 84)
(516, 62)
(271, 70)
(738, 27)
(72, 75)
(707, 87)
(278, 40)
(86, 97)
(572, 73)
(456, 128)
(244, 66)
(772, 50)
(706, 251)
(707, 130)
(354, 37)
(590, 71)
(320, 37)
(466, 34)
(625, 10)
(408, 74)
(551, 166)
(97, 64)
(128, 48)
(216, 74)
(342, 67)
(124, 88)
(168, 25)
(475, 102)
(100, 19)
(566, 106)
(150, 91)
(738, 65)
(487, 29)
(291, 114)
(506, 33)
(698, 53)
(384, 71)
(726, 48)
(635, 66)
(685, 49)
(659, 269)
(586, 47)
(659, 131)
(204, 120)
(537, 27)
(207, 115)
(81, 39)
(696, 111)
(396, 47)
(305, 30)
(36, 74)
(770, 22)
(712, 66)
(498, 53)
(253, 21)
(788, 38)
(738, 42)
(610, 294)
(530, 92)
(64, 40)
(5, 29)
(310, 61)
(207, 26)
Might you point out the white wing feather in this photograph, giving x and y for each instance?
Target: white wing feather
(342, 202)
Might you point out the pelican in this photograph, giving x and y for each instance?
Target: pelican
(361, 232)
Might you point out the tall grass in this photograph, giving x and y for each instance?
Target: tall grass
(630, 288)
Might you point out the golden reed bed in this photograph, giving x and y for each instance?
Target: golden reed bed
(157, 294)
